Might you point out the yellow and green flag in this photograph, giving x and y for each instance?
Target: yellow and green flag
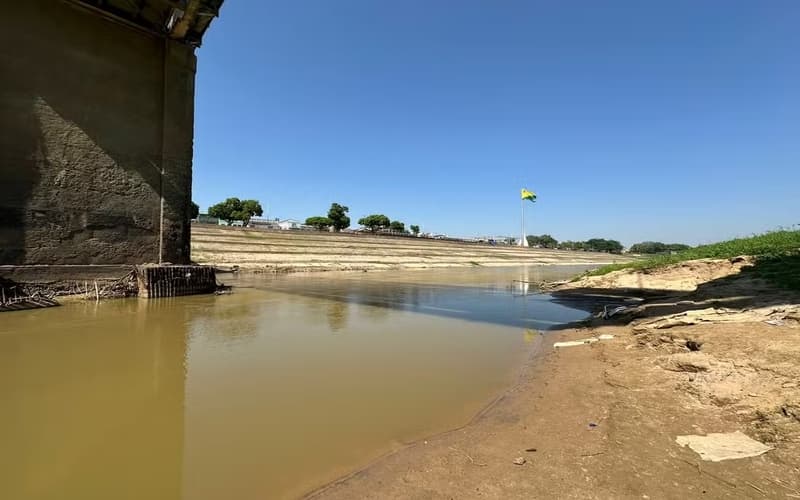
(528, 195)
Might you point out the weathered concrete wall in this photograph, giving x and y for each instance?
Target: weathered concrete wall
(90, 112)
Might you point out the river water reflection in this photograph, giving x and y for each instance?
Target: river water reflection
(265, 393)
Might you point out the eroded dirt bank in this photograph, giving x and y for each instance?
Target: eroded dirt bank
(711, 350)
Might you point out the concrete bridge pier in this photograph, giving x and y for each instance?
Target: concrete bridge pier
(96, 130)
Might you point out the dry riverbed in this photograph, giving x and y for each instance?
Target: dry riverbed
(711, 349)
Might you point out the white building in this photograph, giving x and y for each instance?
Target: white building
(261, 223)
(288, 224)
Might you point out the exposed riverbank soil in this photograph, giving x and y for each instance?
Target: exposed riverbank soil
(288, 251)
(711, 350)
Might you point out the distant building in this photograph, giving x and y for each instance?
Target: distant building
(501, 240)
(261, 223)
(288, 224)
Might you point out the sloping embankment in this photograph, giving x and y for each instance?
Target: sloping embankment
(309, 251)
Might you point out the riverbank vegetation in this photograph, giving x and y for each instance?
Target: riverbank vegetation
(777, 256)
(656, 247)
(591, 245)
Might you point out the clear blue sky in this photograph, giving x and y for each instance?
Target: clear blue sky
(631, 120)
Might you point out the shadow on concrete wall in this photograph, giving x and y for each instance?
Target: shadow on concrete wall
(82, 114)
(19, 174)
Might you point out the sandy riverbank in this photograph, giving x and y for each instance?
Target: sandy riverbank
(601, 420)
(292, 251)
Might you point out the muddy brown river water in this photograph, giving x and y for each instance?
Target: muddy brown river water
(269, 392)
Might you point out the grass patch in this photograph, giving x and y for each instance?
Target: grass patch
(777, 252)
(782, 270)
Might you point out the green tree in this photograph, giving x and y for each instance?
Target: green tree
(647, 247)
(398, 226)
(543, 241)
(250, 208)
(194, 210)
(321, 223)
(603, 245)
(338, 217)
(235, 209)
(655, 247)
(614, 246)
(572, 245)
(374, 222)
(677, 247)
(414, 229)
(224, 209)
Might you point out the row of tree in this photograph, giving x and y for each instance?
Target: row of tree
(337, 219)
(234, 209)
(592, 245)
(603, 245)
(542, 241)
(657, 247)
(379, 222)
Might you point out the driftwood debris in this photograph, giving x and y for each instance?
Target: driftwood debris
(15, 296)
(126, 286)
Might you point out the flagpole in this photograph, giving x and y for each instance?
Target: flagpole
(522, 209)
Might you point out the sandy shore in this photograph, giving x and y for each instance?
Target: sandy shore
(710, 350)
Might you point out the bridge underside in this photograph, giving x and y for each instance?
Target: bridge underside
(96, 114)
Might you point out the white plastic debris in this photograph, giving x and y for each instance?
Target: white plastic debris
(590, 340)
(723, 446)
(574, 343)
